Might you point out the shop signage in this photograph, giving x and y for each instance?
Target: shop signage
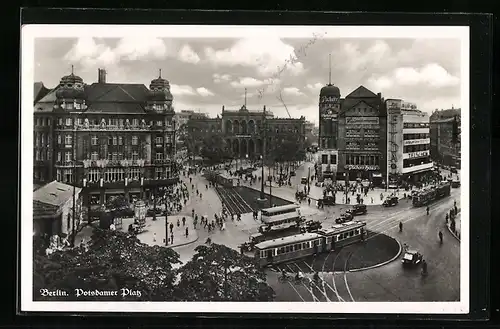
(417, 154)
(329, 114)
(408, 106)
(393, 103)
(416, 141)
(362, 167)
(362, 120)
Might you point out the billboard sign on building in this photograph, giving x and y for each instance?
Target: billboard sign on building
(408, 106)
(362, 167)
(329, 114)
(362, 120)
(393, 103)
(413, 155)
(417, 141)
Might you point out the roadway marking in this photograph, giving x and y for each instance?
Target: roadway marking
(345, 276)
(315, 299)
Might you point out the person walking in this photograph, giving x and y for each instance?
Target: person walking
(187, 232)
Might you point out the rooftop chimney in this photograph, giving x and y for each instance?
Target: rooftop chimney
(101, 75)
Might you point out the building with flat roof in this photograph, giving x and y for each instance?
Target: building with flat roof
(408, 141)
(444, 149)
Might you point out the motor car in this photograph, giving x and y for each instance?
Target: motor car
(329, 200)
(292, 173)
(303, 180)
(344, 217)
(252, 241)
(455, 184)
(412, 258)
(312, 226)
(358, 209)
(390, 201)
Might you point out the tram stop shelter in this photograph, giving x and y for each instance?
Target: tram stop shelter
(53, 208)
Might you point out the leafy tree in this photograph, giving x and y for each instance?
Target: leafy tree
(219, 273)
(214, 147)
(112, 260)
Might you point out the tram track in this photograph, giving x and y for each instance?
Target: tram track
(231, 201)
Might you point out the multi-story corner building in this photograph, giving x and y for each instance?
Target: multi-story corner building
(108, 138)
(443, 148)
(408, 141)
(362, 140)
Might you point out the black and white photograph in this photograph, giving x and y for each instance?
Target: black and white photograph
(275, 169)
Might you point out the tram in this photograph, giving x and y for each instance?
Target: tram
(302, 245)
(219, 178)
(431, 194)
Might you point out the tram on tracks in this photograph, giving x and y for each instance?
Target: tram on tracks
(294, 247)
(219, 178)
(431, 194)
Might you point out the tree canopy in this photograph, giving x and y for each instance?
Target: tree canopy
(214, 148)
(219, 273)
(112, 260)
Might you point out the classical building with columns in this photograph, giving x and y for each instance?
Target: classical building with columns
(107, 138)
(244, 130)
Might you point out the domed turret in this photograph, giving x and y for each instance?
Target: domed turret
(159, 90)
(70, 87)
(330, 90)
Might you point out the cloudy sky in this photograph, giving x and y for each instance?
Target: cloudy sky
(207, 73)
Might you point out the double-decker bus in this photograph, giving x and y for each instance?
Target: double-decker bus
(280, 218)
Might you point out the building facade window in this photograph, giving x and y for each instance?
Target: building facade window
(94, 156)
(58, 175)
(135, 155)
(93, 175)
(115, 140)
(37, 139)
(120, 140)
(37, 155)
(159, 156)
(134, 173)
(158, 172)
(114, 174)
(68, 175)
(42, 139)
(135, 122)
(135, 140)
(58, 156)
(59, 139)
(324, 159)
(159, 140)
(67, 157)
(93, 140)
(68, 121)
(68, 140)
(168, 172)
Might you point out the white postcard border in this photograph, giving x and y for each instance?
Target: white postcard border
(30, 32)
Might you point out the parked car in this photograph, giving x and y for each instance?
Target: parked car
(412, 258)
(358, 209)
(391, 201)
(455, 183)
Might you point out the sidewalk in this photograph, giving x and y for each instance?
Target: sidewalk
(457, 232)
(154, 233)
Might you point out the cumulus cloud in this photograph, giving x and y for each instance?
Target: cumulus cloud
(293, 91)
(248, 82)
(90, 52)
(267, 55)
(431, 75)
(179, 90)
(356, 59)
(219, 78)
(204, 92)
(188, 55)
(315, 87)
